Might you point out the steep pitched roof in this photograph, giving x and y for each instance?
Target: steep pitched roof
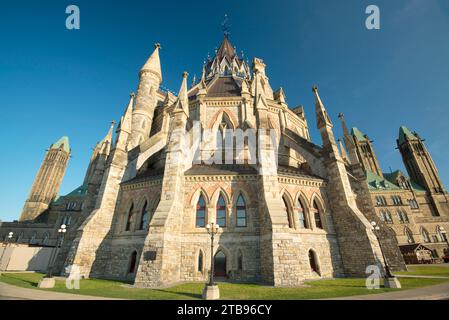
(393, 176)
(405, 133)
(62, 143)
(376, 182)
(224, 87)
(358, 134)
(226, 49)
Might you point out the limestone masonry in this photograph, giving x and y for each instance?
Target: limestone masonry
(141, 211)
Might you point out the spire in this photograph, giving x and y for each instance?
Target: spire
(62, 143)
(343, 124)
(183, 99)
(342, 150)
(226, 49)
(322, 116)
(125, 121)
(193, 81)
(106, 143)
(153, 63)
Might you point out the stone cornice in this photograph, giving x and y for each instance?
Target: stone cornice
(141, 184)
(214, 178)
(302, 181)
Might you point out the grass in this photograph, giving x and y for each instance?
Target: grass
(331, 288)
(427, 270)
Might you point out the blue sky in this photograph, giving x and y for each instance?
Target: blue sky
(55, 81)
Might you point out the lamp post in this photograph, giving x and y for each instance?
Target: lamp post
(48, 281)
(390, 281)
(8, 241)
(211, 291)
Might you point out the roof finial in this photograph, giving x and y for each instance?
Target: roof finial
(226, 26)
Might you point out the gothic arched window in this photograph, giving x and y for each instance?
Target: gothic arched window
(201, 212)
(46, 238)
(200, 261)
(129, 218)
(409, 235)
(317, 215)
(240, 260)
(425, 235)
(241, 211)
(288, 212)
(32, 239)
(132, 262)
(302, 215)
(221, 211)
(225, 139)
(144, 219)
(313, 262)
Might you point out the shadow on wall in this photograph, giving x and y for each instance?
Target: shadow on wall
(18, 258)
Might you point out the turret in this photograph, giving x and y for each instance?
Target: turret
(146, 100)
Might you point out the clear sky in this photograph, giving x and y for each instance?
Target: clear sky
(56, 82)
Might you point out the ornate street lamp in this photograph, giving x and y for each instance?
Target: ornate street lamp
(8, 241)
(390, 281)
(48, 281)
(211, 291)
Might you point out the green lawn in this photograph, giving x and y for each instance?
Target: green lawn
(427, 270)
(313, 290)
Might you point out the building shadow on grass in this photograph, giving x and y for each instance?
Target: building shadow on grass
(187, 294)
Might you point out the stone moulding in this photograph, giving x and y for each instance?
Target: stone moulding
(141, 185)
(302, 182)
(221, 178)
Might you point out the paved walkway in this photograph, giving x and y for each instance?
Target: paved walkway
(436, 292)
(10, 292)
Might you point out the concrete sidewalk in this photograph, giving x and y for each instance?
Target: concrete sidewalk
(436, 292)
(10, 292)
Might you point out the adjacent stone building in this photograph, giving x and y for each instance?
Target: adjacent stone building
(229, 150)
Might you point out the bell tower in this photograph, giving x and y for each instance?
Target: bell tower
(48, 180)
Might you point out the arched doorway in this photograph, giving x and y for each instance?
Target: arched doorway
(132, 262)
(313, 262)
(220, 264)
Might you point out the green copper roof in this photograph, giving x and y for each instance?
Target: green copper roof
(405, 132)
(358, 134)
(376, 182)
(393, 176)
(62, 143)
(81, 191)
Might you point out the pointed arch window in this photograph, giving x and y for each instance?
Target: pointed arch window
(201, 212)
(409, 235)
(441, 234)
(241, 211)
(317, 215)
(287, 211)
(200, 261)
(145, 218)
(225, 139)
(129, 218)
(240, 260)
(32, 239)
(425, 235)
(221, 211)
(132, 262)
(313, 262)
(302, 215)
(46, 238)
